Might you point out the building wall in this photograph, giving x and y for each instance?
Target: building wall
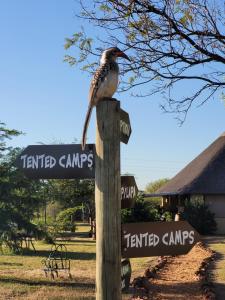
(216, 204)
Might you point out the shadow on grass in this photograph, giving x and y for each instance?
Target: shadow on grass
(75, 234)
(73, 284)
(63, 240)
(10, 264)
(214, 239)
(70, 255)
(213, 269)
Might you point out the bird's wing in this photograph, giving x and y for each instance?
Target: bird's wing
(97, 79)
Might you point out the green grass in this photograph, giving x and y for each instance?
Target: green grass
(217, 272)
(22, 277)
(219, 266)
(82, 227)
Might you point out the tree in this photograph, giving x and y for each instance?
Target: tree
(19, 197)
(5, 134)
(170, 42)
(153, 186)
(70, 193)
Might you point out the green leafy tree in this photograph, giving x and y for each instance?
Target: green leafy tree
(66, 218)
(152, 187)
(19, 196)
(169, 42)
(72, 193)
(6, 134)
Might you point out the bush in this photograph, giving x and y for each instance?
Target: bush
(65, 219)
(200, 217)
(142, 211)
(167, 216)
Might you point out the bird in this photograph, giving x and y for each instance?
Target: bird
(104, 83)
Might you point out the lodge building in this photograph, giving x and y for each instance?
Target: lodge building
(203, 177)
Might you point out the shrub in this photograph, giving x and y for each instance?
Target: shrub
(200, 217)
(142, 211)
(65, 219)
(167, 216)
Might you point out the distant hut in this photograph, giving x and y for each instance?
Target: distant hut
(203, 177)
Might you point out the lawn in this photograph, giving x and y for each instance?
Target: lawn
(22, 277)
(217, 272)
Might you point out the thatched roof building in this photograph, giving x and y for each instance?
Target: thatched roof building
(203, 175)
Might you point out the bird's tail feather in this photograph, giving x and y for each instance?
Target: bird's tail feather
(86, 123)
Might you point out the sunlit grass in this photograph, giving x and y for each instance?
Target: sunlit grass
(219, 268)
(22, 276)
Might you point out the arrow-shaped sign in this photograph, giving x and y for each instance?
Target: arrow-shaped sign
(157, 238)
(129, 191)
(57, 161)
(125, 127)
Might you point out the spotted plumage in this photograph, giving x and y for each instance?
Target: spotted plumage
(104, 82)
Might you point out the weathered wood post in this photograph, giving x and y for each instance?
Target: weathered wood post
(108, 202)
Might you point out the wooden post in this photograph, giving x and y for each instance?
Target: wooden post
(107, 201)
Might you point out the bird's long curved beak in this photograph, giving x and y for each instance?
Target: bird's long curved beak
(122, 54)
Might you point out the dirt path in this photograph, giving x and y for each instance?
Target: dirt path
(177, 280)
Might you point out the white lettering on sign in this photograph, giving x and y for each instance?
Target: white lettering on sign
(128, 192)
(147, 239)
(65, 161)
(76, 160)
(178, 237)
(38, 161)
(62, 161)
(125, 128)
(141, 240)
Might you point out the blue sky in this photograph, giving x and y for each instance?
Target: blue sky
(47, 99)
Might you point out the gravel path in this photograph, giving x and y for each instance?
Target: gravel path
(177, 280)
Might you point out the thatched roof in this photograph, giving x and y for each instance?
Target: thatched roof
(203, 175)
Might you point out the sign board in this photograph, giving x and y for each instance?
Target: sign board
(125, 127)
(125, 274)
(129, 191)
(157, 238)
(57, 161)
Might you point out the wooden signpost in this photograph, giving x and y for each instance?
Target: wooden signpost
(129, 191)
(111, 191)
(108, 201)
(157, 239)
(57, 161)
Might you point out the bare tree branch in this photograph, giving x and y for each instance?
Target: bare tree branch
(168, 41)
